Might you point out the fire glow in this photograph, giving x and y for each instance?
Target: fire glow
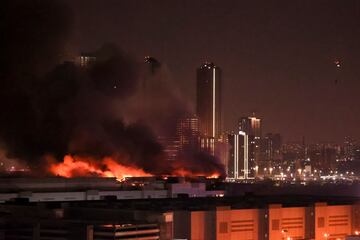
(74, 166)
(186, 173)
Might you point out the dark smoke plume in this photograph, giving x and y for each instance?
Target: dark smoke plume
(52, 109)
(33, 37)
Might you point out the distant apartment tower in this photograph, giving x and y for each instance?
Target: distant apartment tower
(222, 150)
(207, 144)
(208, 100)
(252, 127)
(324, 155)
(86, 59)
(238, 162)
(271, 148)
(171, 147)
(188, 133)
(349, 149)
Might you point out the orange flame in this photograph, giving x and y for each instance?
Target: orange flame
(74, 166)
(214, 175)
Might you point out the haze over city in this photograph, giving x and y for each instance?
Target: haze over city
(277, 57)
(164, 120)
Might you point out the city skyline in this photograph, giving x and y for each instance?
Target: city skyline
(278, 59)
(163, 120)
(136, 110)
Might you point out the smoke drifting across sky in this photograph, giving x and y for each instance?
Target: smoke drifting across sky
(277, 57)
(52, 109)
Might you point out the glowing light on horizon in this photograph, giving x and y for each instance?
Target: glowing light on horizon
(186, 173)
(74, 166)
(236, 156)
(214, 102)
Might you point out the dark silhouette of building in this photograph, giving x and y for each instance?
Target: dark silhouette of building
(324, 156)
(85, 59)
(171, 146)
(188, 133)
(271, 148)
(349, 149)
(208, 100)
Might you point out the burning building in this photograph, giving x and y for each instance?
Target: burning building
(85, 121)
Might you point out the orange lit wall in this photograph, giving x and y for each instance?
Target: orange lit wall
(332, 222)
(194, 225)
(319, 222)
(202, 225)
(237, 224)
(223, 221)
(356, 218)
(198, 225)
(244, 224)
(286, 222)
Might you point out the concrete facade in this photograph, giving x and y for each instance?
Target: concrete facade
(276, 222)
(52, 191)
(333, 222)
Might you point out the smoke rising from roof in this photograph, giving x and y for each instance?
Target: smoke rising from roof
(104, 110)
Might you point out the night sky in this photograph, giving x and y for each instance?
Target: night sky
(277, 56)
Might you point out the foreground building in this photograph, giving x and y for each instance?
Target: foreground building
(274, 222)
(243, 218)
(56, 189)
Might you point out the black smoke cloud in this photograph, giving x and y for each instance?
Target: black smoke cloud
(34, 34)
(103, 110)
(33, 37)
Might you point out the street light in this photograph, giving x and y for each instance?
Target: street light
(284, 233)
(326, 235)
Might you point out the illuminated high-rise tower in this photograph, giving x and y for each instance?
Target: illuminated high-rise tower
(208, 100)
(252, 127)
(237, 166)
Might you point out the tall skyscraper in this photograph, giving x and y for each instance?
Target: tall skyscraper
(208, 100)
(252, 127)
(238, 163)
